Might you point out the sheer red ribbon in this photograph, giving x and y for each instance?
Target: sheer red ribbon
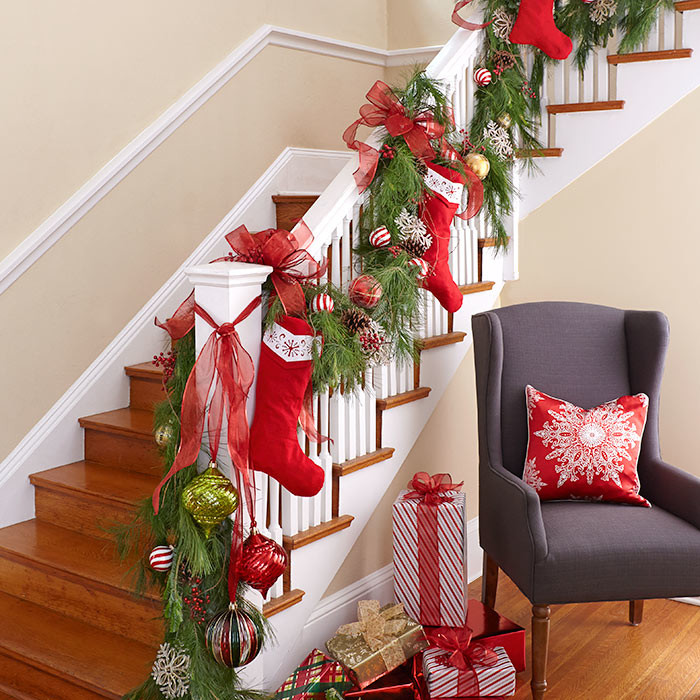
(475, 186)
(432, 490)
(471, 26)
(462, 655)
(291, 265)
(384, 109)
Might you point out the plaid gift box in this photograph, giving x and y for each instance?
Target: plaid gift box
(313, 677)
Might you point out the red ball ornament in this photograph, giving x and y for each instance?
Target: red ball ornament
(365, 291)
(233, 638)
(263, 561)
(161, 558)
(420, 265)
(322, 302)
(380, 237)
(482, 77)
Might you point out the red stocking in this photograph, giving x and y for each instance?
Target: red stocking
(437, 212)
(283, 375)
(535, 26)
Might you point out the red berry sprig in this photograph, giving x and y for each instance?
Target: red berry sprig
(527, 90)
(167, 362)
(387, 152)
(196, 600)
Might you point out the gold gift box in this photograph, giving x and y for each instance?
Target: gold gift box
(381, 640)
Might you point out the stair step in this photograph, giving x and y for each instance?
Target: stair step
(476, 287)
(539, 153)
(291, 208)
(437, 341)
(586, 107)
(685, 5)
(76, 576)
(668, 54)
(88, 497)
(353, 465)
(122, 438)
(145, 385)
(403, 398)
(286, 600)
(64, 658)
(317, 532)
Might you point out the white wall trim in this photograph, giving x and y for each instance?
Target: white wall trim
(689, 601)
(14, 265)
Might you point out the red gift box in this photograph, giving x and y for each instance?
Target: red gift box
(403, 683)
(486, 623)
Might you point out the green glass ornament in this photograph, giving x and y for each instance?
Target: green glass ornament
(210, 498)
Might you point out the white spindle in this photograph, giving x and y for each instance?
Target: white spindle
(370, 411)
(381, 381)
(346, 248)
(338, 426)
(325, 458)
(304, 504)
(350, 424)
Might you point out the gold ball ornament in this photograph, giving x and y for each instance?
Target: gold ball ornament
(164, 435)
(210, 498)
(505, 120)
(479, 164)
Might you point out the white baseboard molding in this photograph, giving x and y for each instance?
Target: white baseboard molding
(66, 216)
(689, 601)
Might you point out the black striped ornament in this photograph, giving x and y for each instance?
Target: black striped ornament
(233, 638)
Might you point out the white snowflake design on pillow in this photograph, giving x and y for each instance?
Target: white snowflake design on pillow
(590, 444)
(531, 475)
(533, 397)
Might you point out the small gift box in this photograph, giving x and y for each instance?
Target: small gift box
(403, 683)
(381, 640)
(488, 626)
(429, 549)
(457, 667)
(316, 675)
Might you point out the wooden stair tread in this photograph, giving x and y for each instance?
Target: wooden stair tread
(97, 480)
(294, 198)
(668, 54)
(132, 422)
(489, 243)
(400, 399)
(353, 465)
(45, 545)
(84, 655)
(145, 370)
(286, 600)
(539, 153)
(437, 341)
(685, 5)
(585, 107)
(317, 532)
(476, 287)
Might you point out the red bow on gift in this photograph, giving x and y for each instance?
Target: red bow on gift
(280, 250)
(432, 490)
(463, 653)
(386, 110)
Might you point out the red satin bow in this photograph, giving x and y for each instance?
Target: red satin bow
(280, 250)
(224, 365)
(463, 653)
(471, 26)
(432, 490)
(384, 109)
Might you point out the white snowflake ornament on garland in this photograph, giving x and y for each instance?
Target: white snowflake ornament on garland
(500, 140)
(602, 10)
(502, 24)
(414, 235)
(171, 671)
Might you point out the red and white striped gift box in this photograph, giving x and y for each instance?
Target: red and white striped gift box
(445, 681)
(430, 559)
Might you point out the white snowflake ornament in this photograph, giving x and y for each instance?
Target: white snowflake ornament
(602, 10)
(502, 24)
(500, 140)
(171, 671)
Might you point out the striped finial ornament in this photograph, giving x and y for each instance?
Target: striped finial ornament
(482, 77)
(233, 638)
(322, 302)
(421, 266)
(380, 237)
(161, 558)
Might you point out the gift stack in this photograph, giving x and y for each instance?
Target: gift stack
(434, 642)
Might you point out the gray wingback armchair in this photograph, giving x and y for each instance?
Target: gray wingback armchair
(570, 551)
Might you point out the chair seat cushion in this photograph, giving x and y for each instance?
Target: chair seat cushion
(606, 551)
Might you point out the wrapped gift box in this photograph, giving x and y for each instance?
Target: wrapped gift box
(486, 624)
(446, 681)
(430, 549)
(403, 683)
(381, 640)
(313, 677)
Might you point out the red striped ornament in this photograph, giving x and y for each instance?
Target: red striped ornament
(380, 237)
(161, 558)
(482, 77)
(430, 559)
(322, 302)
(365, 291)
(233, 638)
(421, 265)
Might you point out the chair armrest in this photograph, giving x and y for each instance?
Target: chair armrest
(671, 488)
(510, 517)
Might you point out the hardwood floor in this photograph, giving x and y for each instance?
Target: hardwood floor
(595, 654)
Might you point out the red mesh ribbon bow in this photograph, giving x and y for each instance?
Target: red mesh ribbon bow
(224, 370)
(471, 26)
(384, 109)
(432, 490)
(463, 654)
(291, 265)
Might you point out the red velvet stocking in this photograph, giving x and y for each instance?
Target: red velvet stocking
(283, 375)
(437, 212)
(535, 26)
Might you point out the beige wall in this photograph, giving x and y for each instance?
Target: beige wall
(420, 22)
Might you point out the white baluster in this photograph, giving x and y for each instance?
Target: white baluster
(338, 419)
(325, 458)
(370, 411)
(350, 425)
(346, 248)
(361, 421)
(381, 381)
(303, 503)
(290, 513)
(335, 256)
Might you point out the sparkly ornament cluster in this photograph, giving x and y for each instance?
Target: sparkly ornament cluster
(502, 24)
(171, 671)
(167, 362)
(375, 344)
(499, 139)
(602, 10)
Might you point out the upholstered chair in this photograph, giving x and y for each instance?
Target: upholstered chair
(570, 551)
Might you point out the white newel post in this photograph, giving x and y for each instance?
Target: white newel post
(223, 290)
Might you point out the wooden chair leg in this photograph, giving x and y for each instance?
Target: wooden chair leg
(540, 650)
(636, 612)
(489, 582)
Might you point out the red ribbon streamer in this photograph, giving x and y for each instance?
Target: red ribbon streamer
(471, 26)
(384, 109)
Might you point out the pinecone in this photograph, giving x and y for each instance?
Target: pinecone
(355, 320)
(416, 245)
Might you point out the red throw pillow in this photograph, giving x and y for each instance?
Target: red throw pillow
(589, 455)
